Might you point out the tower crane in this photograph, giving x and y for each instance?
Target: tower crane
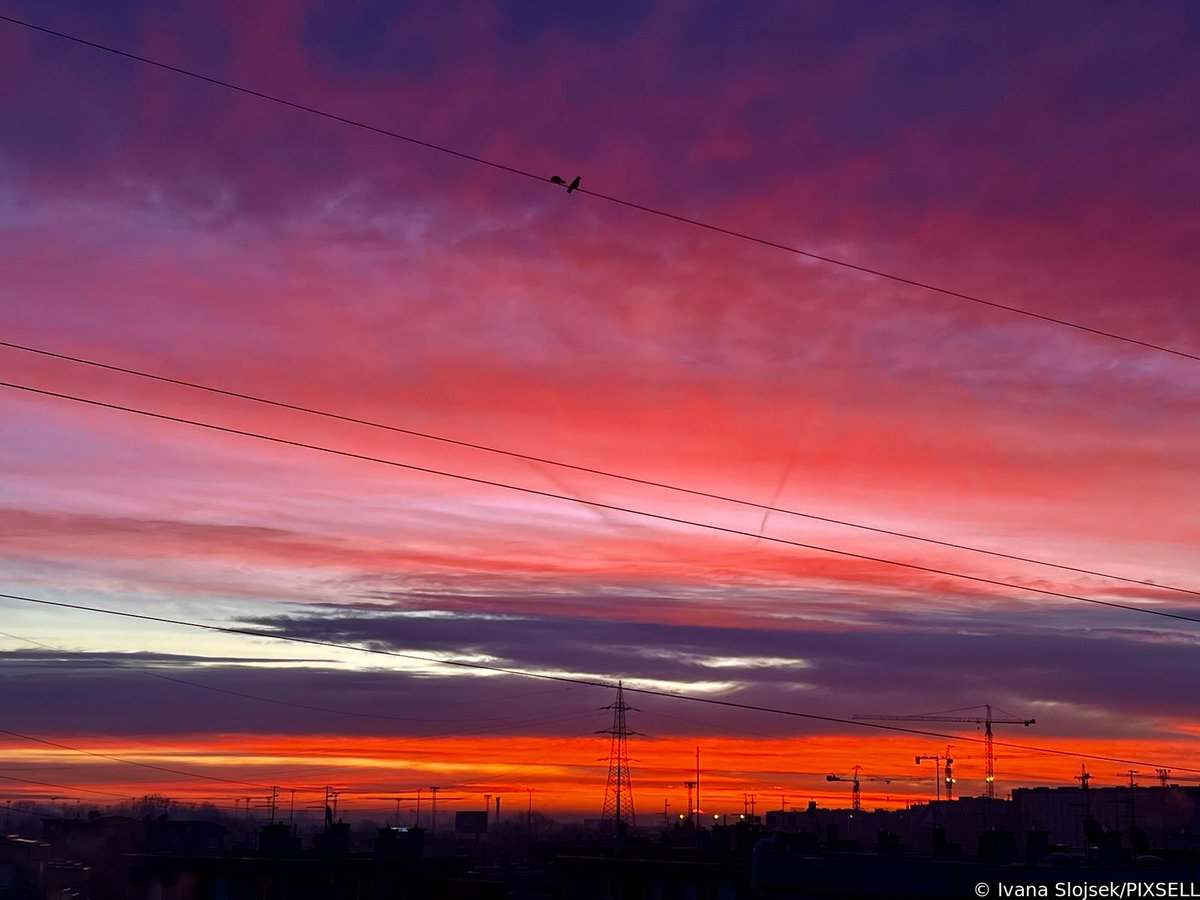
(946, 777)
(987, 722)
(1162, 776)
(856, 785)
(937, 774)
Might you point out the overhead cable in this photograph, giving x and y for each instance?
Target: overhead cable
(628, 204)
(588, 470)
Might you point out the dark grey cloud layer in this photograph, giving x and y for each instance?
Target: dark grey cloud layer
(1033, 661)
(1095, 682)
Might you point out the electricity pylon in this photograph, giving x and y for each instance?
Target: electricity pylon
(618, 792)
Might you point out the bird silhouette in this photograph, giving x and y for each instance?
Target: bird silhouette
(554, 179)
(573, 186)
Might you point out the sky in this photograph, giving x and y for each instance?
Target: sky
(1039, 158)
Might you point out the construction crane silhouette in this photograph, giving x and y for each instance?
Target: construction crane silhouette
(856, 785)
(948, 778)
(946, 774)
(937, 761)
(987, 722)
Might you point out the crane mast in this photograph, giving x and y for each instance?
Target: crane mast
(856, 781)
(987, 721)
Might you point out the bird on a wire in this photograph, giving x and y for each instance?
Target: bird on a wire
(574, 185)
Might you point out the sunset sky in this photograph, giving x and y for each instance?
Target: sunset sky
(1040, 157)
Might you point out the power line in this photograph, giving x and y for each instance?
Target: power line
(629, 479)
(131, 762)
(311, 110)
(588, 682)
(65, 787)
(540, 718)
(194, 802)
(494, 779)
(661, 517)
(898, 279)
(593, 715)
(494, 731)
(90, 657)
(499, 725)
(628, 204)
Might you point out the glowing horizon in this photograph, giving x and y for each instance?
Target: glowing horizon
(161, 224)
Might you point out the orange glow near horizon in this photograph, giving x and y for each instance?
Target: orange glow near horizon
(566, 775)
(153, 224)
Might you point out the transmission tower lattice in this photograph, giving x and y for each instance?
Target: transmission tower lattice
(618, 792)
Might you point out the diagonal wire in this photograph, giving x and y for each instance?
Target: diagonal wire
(628, 204)
(589, 682)
(150, 673)
(661, 517)
(588, 470)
